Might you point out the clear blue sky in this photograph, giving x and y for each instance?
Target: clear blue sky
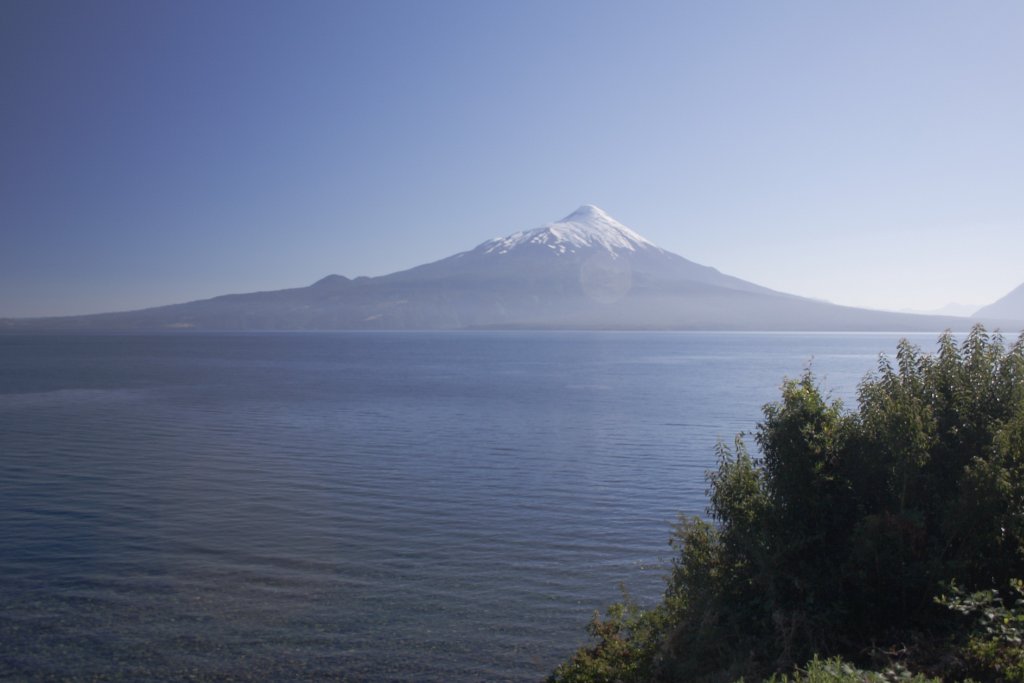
(869, 153)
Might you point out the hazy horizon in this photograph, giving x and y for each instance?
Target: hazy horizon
(865, 154)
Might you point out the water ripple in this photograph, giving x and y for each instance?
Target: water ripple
(371, 507)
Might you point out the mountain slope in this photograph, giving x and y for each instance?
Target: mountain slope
(586, 271)
(1010, 307)
(586, 236)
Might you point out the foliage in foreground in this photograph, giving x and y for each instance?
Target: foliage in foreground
(841, 536)
(995, 643)
(835, 670)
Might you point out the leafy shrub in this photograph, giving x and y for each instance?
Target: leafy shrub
(995, 644)
(836, 538)
(836, 670)
(627, 638)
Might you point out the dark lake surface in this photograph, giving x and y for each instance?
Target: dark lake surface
(358, 506)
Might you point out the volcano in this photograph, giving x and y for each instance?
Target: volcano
(586, 271)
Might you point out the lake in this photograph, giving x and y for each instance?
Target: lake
(358, 506)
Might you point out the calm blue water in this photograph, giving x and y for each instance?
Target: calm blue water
(357, 506)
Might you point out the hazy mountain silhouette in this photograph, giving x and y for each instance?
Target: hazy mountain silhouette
(1010, 307)
(587, 271)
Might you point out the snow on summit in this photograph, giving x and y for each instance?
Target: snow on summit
(586, 227)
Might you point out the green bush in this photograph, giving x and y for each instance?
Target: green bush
(839, 535)
(627, 638)
(835, 670)
(996, 633)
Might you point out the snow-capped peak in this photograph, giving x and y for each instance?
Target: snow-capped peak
(586, 227)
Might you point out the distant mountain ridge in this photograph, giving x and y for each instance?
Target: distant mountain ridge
(586, 271)
(1009, 307)
(952, 308)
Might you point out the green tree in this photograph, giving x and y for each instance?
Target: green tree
(838, 536)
